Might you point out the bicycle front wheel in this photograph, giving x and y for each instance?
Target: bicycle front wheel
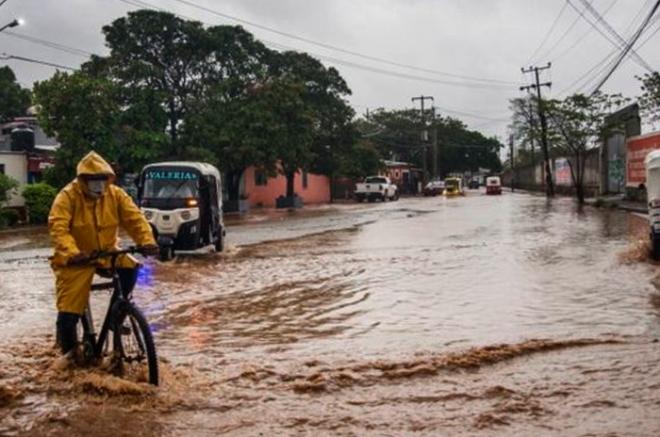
(134, 345)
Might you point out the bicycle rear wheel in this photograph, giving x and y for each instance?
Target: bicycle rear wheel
(134, 345)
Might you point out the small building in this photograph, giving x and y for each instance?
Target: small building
(406, 177)
(14, 165)
(25, 152)
(262, 191)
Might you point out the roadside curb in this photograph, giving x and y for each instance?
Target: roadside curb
(619, 204)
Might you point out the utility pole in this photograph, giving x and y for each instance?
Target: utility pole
(549, 186)
(434, 147)
(424, 137)
(532, 122)
(513, 168)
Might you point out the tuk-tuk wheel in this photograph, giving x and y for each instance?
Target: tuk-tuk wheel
(655, 249)
(166, 253)
(220, 244)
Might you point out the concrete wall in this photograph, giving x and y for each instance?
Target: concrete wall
(15, 166)
(532, 177)
(316, 191)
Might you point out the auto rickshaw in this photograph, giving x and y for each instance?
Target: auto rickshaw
(183, 203)
(453, 187)
(652, 165)
(493, 185)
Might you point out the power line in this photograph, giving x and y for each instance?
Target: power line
(561, 38)
(442, 109)
(628, 47)
(50, 44)
(6, 56)
(603, 34)
(606, 61)
(336, 48)
(583, 36)
(614, 33)
(548, 33)
(350, 64)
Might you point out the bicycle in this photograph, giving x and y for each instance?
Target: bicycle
(132, 340)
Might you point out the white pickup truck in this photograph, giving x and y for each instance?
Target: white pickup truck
(376, 187)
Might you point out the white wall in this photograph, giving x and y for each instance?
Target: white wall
(15, 164)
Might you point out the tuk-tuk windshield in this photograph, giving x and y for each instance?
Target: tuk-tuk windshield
(170, 184)
(451, 183)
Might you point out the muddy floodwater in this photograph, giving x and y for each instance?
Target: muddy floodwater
(482, 315)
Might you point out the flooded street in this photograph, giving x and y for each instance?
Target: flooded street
(482, 315)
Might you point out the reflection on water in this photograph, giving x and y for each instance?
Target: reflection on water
(392, 289)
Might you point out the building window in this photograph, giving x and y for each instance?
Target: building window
(2, 169)
(304, 179)
(260, 178)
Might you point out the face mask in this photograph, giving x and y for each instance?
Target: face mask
(96, 188)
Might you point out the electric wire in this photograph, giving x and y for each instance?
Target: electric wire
(561, 38)
(614, 33)
(582, 37)
(350, 64)
(628, 47)
(336, 48)
(604, 35)
(603, 63)
(6, 56)
(548, 33)
(50, 44)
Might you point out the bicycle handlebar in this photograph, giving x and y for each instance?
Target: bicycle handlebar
(110, 254)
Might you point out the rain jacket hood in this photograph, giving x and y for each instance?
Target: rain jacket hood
(94, 164)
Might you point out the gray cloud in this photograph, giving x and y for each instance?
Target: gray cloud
(490, 39)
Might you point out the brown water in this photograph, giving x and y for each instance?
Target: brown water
(418, 316)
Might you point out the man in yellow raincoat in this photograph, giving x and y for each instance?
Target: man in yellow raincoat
(84, 218)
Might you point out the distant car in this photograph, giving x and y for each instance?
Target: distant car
(376, 187)
(434, 188)
(473, 184)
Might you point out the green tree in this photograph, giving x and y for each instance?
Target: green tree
(579, 124)
(14, 99)
(158, 53)
(38, 200)
(397, 134)
(238, 132)
(83, 113)
(363, 159)
(87, 112)
(650, 98)
(293, 128)
(323, 92)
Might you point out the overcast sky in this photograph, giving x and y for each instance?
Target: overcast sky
(484, 39)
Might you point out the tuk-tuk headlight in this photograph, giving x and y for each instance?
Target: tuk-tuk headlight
(185, 215)
(148, 215)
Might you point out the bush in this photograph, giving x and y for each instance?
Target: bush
(38, 199)
(8, 217)
(7, 184)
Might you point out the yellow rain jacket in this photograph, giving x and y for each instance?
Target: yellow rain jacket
(79, 223)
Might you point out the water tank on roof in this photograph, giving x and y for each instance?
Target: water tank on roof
(22, 139)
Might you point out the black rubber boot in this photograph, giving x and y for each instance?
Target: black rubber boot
(66, 331)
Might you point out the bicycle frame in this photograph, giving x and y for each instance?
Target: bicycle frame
(117, 299)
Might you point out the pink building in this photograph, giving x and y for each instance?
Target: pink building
(262, 190)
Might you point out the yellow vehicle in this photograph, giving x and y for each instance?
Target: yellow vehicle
(453, 187)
